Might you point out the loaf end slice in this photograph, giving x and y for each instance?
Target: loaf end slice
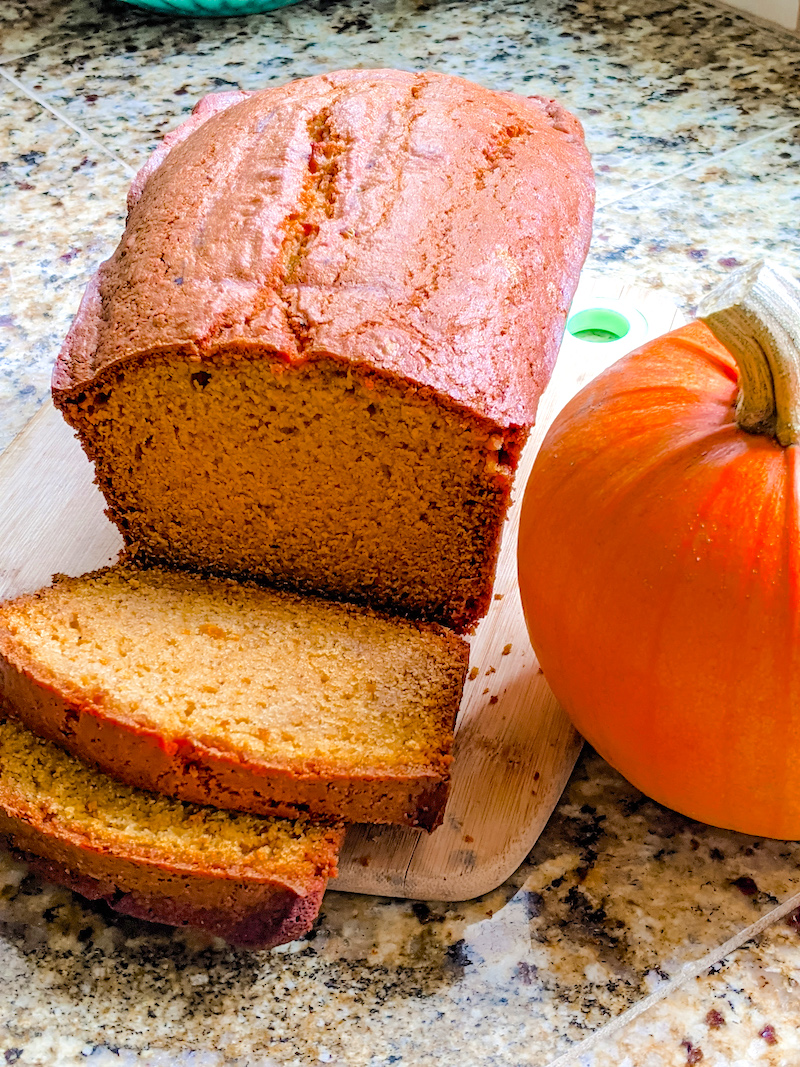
(256, 882)
(236, 695)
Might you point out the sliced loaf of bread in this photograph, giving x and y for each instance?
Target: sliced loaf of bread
(255, 881)
(318, 349)
(218, 692)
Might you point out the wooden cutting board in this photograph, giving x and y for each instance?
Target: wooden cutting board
(514, 747)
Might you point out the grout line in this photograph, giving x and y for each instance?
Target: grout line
(62, 117)
(706, 162)
(686, 974)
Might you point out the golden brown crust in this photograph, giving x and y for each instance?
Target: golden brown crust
(90, 727)
(273, 916)
(197, 775)
(256, 882)
(414, 223)
(152, 872)
(246, 908)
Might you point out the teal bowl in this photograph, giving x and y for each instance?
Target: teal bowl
(210, 9)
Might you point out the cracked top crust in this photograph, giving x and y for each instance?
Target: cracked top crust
(416, 224)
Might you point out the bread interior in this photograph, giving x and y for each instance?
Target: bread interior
(44, 785)
(259, 675)
(314, 476)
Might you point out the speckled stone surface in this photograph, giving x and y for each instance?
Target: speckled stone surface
(693, 115)
(743, 1013)
(29, 27)
(616, 896)
(62, 204)
(658, 86)
(685, 234)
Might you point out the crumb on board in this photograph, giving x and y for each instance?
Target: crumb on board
(473, 674)
(507, 649)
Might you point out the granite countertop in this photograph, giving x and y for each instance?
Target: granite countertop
(630, 935)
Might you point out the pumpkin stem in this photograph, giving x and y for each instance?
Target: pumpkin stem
(755, 313)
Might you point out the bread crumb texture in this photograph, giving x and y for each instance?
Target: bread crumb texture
(319, 478)
(262, 675)
(44, 787)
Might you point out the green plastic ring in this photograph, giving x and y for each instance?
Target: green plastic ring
(600, 325)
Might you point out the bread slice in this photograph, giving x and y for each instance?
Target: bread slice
(317, 351)
(255, 881)
(236, 695)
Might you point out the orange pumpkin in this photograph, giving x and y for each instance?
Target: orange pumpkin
(659, 563)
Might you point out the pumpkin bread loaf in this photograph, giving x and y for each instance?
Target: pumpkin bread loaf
(237, 695)
(255, 881)
(316, 353)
